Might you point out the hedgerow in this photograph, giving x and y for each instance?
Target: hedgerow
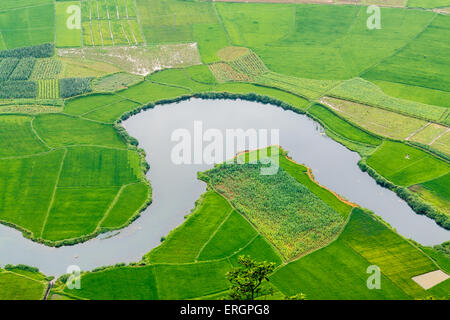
(70, 87)
(419, 206)
(18, 89)
(41, 51)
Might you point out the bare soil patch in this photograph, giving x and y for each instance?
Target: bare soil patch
(430, 279)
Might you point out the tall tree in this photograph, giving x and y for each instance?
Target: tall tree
(247, 279)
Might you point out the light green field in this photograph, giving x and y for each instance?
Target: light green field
(147, 92)
(405, 165)
(172, 21)
(365, 92)
(38, 29)
(415, 93)
(429, 133)
(306, 43)
(339, 270)
(342, 127)
(376, 120)
(59, 130)
(66, 37)
(421, 62)
(16, 286)
(435, 192)
(18, 138)
(428, 3)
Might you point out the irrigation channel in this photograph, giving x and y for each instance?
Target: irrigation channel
(176, 188)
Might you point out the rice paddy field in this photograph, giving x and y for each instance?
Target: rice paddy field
(71, 71)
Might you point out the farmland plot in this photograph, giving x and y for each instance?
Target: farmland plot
(65, 36)
(405, 165)
(110, 23)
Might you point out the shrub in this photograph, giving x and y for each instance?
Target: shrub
(41, 51)
(70, 87)
(18, 89)
(23, 69)
(7, 66)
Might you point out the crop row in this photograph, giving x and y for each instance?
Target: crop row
(48, 68)
(48, 89)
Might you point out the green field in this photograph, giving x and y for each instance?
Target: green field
(404, 165)
(207, 245)
(66, 37)
(21, 285)
(38, 29)
(382, 122)
(69, 171)
(365, 241)
(285, 220)
(342, 127)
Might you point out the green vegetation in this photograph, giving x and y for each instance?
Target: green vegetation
(248, 280)
(405, 165)
(376, 120)
(285, 220)
(19, 285)
(48, 89)
(46, 68)
(115, 82)
(421, 62)
(428, 3)
(18, 137)
(436, 192)
(23, 69)
(362, 91)
(341, 127)
(415, 93)
(69, 87)
(66, 37)
(339, 270)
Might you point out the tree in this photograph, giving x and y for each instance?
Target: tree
(247, 279)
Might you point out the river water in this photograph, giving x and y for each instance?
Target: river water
(176, 188)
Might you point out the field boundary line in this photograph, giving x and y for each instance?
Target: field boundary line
(112, 204)
(21, 275)
(138, 19)
(54, 193)
(244, 247)
(214, 233)
(436, 138)
(402, 47)
(37, 135)
(417, 131)
(276, 250)
(219, 18)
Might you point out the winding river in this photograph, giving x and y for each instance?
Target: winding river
(176, 188)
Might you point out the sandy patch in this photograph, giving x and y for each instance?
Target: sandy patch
(430, 279)
(139, 60)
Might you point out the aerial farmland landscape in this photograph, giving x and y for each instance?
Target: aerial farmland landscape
(225, 150)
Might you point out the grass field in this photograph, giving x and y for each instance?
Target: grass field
(18, 137)
(365, 92)
(420, 63)
(341, 267)
(37, 26)
(435, 192)
(376, 120)
(405, 165)
(66, 37)
(318, 47)
(415, 93)
(342, 127)
(18, 286)
(192, 261)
